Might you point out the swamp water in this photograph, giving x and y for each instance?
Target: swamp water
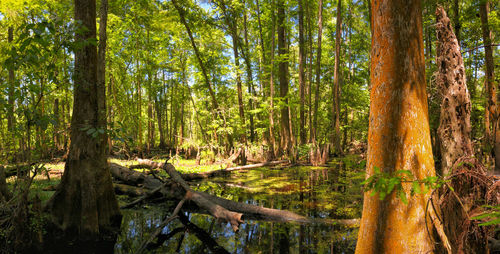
(323, 193)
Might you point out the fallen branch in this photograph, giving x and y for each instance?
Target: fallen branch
(204, 237)
(162, 225)
(216, 210)
(126, 190)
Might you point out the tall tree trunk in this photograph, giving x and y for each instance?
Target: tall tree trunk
(283, 76)
(456, 20)
(241, 108)
(10, 94)
(337, 80)
(84, 205)
(271, 84)
(208, 83)
(318, 70)
(56, 136)
(309, 70)
(398, 136)
(251, 89)
(302, 80)
(490, 84)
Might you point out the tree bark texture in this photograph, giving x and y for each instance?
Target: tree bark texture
(454, 126)
(398, 136)
(84, 204)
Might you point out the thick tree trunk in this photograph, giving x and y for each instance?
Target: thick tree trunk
(398, 136)
(335, 141)
(302, 78)
(84, 205)
(285, 143)
(490, 84)
(454, 126)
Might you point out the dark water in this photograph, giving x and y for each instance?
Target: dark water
(326, 193)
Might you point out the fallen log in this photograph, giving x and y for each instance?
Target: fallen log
(145, 163)
(214, 209)
(123, 189)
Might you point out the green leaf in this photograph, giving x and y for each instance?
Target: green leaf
(402, 196)
(491, 222)
(416, 187)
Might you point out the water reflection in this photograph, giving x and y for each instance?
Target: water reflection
(323, 193)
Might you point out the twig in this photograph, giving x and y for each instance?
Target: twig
(162, 225)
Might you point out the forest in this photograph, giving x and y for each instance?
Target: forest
(249, 126)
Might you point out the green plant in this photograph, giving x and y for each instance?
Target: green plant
(384, 183)
(492, 213)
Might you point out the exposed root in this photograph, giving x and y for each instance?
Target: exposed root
(468, 189)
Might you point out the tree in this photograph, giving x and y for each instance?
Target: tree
(302, 79)
(398, 136)
(454, 126)
(337, 82)
(283, 77)
(492, 94)
(84, 205)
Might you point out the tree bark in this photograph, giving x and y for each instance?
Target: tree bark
(454, 126)
(398, 136)
(84, 205)
(285, 143)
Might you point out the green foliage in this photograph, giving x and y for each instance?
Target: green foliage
(386, 183)
(492, 214)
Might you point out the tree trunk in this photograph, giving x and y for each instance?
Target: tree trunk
(251, 89)
(335, 141)
(208, 83)
(456, 8)
(318, 70)
(454, 126)
(271, 86)
(234, 35)
(84, 205)
(10, 93)
(302, 79)
(490, 83)
(398, 136)
(283, 76)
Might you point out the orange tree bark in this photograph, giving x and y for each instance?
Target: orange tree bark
(398, 136)
(84, 205)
